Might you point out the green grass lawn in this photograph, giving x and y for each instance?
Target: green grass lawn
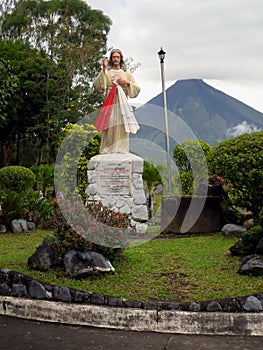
(184, 269)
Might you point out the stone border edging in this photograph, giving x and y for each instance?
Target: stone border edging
(23, 296)
(162, 321)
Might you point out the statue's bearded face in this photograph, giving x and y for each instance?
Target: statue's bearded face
(116, 59)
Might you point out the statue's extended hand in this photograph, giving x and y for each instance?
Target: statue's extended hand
(105, 62)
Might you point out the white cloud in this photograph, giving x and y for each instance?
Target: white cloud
(207, 39)
(242, 128)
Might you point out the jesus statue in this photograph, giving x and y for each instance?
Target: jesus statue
(116, 119)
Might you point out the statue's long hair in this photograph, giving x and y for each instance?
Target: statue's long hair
(122, 64)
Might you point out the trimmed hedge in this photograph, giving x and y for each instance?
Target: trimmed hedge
(16, 178)
(239, 161)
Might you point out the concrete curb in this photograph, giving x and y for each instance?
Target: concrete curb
(163, 321)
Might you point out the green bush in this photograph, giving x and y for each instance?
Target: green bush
(82, 177)
(260, 217)
(15, 183)
(251, 238)
(44, 178)
(184, 183)
(16, 178)
(99, 221)
(39, 210)
(230, 213)
(190, 158)
(80, 143)
(13, 206)
(25, 205)
(239, 161)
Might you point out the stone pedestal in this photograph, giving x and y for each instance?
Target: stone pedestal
(175, 209)
(115, 180)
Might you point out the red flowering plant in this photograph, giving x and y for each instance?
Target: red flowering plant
(90, 228)
(113, 228)
(74, 240)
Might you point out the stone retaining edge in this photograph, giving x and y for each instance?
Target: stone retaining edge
(163, 321)
(24, 297)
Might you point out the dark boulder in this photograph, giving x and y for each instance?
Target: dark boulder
(238, 249)
(46, 256)
(252, 265)
(81, 264)
(2, 228)
(252, 304)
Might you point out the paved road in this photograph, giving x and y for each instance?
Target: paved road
(23, 334)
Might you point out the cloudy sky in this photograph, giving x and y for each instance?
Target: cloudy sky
(218, 41)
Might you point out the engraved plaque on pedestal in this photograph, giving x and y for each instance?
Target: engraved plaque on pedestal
(114, 177)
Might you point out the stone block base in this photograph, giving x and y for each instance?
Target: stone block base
(115, 180)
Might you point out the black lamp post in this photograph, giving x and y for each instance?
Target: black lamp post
(161, 54)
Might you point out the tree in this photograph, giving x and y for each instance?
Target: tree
(6, 6)
(54, 79)
(8, 86)
(190, 157)
(11, 54)
(239, 161)
(70, 33)
(36, 109)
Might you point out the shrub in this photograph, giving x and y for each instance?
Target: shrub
(25, 205)
(240, 162)
(13, 206)
(45, 178)
(95, 225)
(16, 178)
(82, 177)
(39, 210)
(80, 143)
(251, 238)
(74, 240)
(230, 213)
(190, 157)
(186, 181)
(260, 218)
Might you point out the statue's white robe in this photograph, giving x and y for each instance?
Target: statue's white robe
(116, 138)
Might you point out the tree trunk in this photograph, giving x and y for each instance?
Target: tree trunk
(4, 155)
(40, 155)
